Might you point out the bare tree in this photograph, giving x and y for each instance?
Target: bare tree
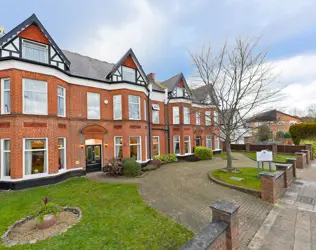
(237, 80)
(311, 111)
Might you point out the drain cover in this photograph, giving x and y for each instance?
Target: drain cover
(306, 200)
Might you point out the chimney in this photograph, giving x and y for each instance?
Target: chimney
(1, 31)
(151, 77)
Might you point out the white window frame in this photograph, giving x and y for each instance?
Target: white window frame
(2, 95)
(128, 68)
(179, 91)
(140, 147)
(64, 98)
(65, 153)
(23, 102)
(186, 115)
(146, 147)
(217, 142)
(129, 113)
(118, 105)
(210, 139)
(208, 120)
(215, 117)
(176, 119)
(174, 144)
(145, 110)
(119, 145)
(47, 157)
(2, 151)
(99, 115)
(185, 141)
(198, 118)
(39, 46)
(156, 144)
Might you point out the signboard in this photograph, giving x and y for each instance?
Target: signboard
(264, 155)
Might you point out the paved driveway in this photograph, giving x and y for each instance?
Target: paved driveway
(183, 192)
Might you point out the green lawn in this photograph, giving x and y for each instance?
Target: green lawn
(114, 217)
(223, 155)
(278, 158)
(250, 175)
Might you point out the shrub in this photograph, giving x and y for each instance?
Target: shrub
(131, 167)
(203, 153)
(47, 208)
(166, 158)
(287, 135)
(302, 131)
(114, 167)
(313, 142)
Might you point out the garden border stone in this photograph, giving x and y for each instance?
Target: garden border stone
(253, 192)
(77, 211)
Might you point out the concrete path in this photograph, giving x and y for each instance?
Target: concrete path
(183, 192)
(292, 222)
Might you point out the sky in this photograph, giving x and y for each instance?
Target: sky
(161, 33)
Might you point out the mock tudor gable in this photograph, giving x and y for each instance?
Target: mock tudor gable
(128, 69)
(178, 87)
(30, 41)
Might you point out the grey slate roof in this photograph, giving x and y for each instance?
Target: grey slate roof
(158, 88)
(270, 115)
(171, 82)
(200, 93)
(85, 66)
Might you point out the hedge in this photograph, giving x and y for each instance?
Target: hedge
(166, 158)
(203, 153)
(302, 131)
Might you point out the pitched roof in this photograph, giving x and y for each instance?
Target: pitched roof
(270, 115)
(32, 20)
(172, 81)
(85, 66)
(200, 94)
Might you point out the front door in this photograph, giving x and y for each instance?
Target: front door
(93, 154)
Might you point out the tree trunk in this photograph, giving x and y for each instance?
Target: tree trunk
(229, 156)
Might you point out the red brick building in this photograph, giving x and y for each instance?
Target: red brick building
(64, 114)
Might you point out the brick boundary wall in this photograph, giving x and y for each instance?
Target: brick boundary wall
(300, 160)
(221, 233)
(308, 155)
(273, 184)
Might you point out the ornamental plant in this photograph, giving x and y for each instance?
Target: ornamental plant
(131, 167)
(114, 167)
(167, 158)
(47, 208)
(203, 153)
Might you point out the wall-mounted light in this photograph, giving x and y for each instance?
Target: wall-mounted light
(106, 144)
(81, 145)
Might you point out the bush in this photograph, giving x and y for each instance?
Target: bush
(114, 167)
(287, 135)
(313, 142)
(203, 153)
(302, 131)
(131, 167)
(166, 158)
(47, 208)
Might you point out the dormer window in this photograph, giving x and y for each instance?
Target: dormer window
(35, 51)
(180, 92)
(129, 74)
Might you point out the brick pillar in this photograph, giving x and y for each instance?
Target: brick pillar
(299, 160)
(268, 189)
(284, 168)
(247, 147)
(274, 148)
(308, 156)
(227, 212)
(309, 148)
(293, 162)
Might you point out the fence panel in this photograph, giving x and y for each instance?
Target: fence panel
(290, 149)
(254, 147)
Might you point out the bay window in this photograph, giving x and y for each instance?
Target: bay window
(209, 141)
(35, 156)
(5, 158)
(176, 115)
(186, 115)
(5, 96)
(156, 146)
(208, 118)
(93, 104)
(197, 118)
(134, 107)
(129, 74)
(61, 101)
(217, 146)
(145, 110)
(155, 113)
(176, 144)
(34, 51)
(34, 97)
(187, 144)
(61, 153)
(118, 147)
(117, 107)
(135, 147)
